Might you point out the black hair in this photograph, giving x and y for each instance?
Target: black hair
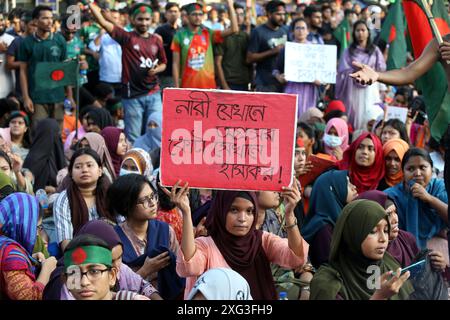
(417, 104)
(110, 103)
(164, 200)
(15, 13)
(123, 194)
(102, 90)
(399, 126)
(310, 10)
(238, 6)
(271, 6)
(86, 240)
(406, 92)
(7, 106)
(416, 152)
(297, 20)
(170, 5)
(370, 48)
(37, 11)
(5, 156)
(347, 12)
(334, 114)
(64, 19)
(312, 133)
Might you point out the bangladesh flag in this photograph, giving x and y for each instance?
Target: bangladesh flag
(52, 75)
(343, 34)
(433, 84)
(393, 33)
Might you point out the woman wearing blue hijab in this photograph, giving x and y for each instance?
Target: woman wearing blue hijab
(152, 137)
(330, 193)
(19, 214)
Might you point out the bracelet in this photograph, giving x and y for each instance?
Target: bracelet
(292, 225)
(305, 288)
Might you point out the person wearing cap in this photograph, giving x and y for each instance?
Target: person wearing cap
(28, 27)
(143, 58)
(220, 284)
(192, 46)
(266, 42)
(89, 272)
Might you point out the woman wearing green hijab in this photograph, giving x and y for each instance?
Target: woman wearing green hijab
(358, 250)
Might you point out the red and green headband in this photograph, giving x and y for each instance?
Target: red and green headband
(86, 255)
(141, 8)
(191, 7)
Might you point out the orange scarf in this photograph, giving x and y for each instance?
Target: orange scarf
(400, 147)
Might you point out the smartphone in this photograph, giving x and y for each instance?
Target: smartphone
(414, 268)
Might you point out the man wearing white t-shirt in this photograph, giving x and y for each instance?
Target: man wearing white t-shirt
(6, 78)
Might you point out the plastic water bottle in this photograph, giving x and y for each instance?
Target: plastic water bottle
(83, 72)
(283, 296)
(67, 107)
(42, 197)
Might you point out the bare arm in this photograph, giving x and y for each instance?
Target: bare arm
(11, 63)
(176, 69)
(295, 241)
(257, 57)
(234, 28)
(440, 207)
(430, 56)
(220, 74)
(108, 26)
(28, 104)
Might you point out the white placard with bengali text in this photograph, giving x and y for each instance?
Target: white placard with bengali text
(397, 113)
(310, 62)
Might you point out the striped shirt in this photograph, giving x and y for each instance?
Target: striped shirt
(63, 217)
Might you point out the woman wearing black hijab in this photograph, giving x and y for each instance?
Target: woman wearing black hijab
(234, 242)
(46, 156)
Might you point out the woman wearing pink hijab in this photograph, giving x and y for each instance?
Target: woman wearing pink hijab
(335, 138)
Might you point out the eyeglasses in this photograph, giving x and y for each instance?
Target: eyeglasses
(148, 200)
(91, 274)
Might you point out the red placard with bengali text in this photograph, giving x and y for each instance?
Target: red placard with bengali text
(233, 140)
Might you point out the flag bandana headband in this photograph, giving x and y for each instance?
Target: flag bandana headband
(193, 7)
(143, 8)
(87, 254)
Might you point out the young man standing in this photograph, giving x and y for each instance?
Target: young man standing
(42, 46)
(192, 46)
(266, 41)
(28, 27)
(232, 69)
(143, 57)
(167, 31)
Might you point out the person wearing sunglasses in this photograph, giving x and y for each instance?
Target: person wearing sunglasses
(149, 245)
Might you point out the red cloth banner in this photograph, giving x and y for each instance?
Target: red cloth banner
(231, 140)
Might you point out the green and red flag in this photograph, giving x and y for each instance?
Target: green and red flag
(393, 33)
(433, 84)
(52, 75)
(343, 34)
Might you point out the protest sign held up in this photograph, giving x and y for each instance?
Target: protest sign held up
(228, 140)
(310, 62)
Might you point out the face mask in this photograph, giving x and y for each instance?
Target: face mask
(332, 141)
(124, 172)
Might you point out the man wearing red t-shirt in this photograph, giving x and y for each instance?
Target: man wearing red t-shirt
(143, 57)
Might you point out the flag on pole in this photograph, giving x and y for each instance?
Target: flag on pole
(343, 34)
(433, 84)
(52, 75)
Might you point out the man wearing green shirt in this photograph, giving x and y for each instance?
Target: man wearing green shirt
(42, 46)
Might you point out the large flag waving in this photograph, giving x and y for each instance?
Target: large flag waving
(393, 33)
(52, 75)
(433, 84)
